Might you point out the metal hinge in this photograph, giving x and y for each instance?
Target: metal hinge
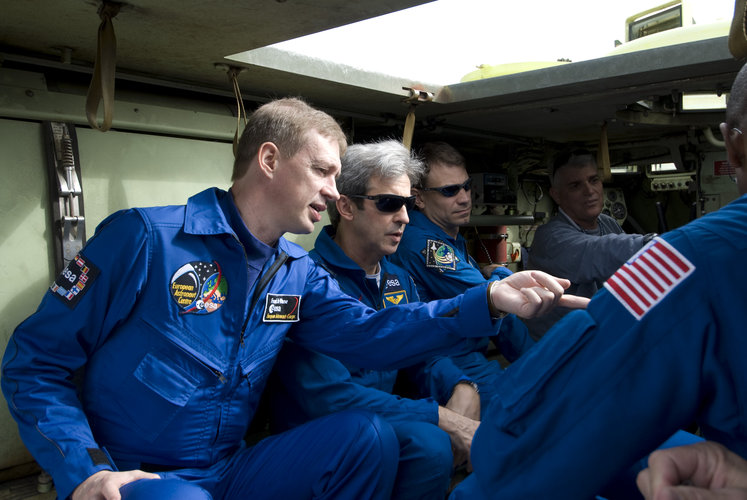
(65, 191)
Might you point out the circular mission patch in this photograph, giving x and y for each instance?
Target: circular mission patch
(199, 287)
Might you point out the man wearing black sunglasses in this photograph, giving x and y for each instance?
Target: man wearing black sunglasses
(435, 255)
(367, 223)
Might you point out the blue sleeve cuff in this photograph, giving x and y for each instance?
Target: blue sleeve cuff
(474, 311)
(500, 272)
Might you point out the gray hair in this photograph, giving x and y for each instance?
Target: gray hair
(574, 158)
(385, 159)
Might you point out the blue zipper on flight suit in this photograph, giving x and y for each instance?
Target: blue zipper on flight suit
(264, 280)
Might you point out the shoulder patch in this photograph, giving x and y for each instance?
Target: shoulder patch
(649, 276)
(393, 291)
(75, 280)
(439, 255)
(199, 287)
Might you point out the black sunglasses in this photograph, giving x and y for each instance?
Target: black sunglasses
(451, 189)
(388, 202)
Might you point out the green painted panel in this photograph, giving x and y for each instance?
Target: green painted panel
(25, 258)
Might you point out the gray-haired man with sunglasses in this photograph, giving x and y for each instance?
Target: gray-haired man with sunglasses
(435, 255)
(368, 221)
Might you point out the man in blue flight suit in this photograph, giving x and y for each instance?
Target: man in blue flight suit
(660, 346)
(367, 222)
(435, 254)
(176, 315)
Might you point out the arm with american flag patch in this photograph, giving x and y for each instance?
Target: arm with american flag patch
(659, 348)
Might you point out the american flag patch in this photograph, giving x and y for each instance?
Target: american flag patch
(645, 279)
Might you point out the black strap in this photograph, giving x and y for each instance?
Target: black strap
(282, 258)
(158, 467)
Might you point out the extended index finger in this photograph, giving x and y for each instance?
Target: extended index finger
(550, 282)
(573, 301)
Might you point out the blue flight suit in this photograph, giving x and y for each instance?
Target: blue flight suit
(662, 345)
(442, 268)
(306, 385)
(177, 314)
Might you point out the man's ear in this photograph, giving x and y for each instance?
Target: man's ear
(267, 157)
(734, 146)
(345, 207)
(553, 194)
(419, 202)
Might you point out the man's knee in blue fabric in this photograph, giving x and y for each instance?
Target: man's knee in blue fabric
(427, 447)
(366, 431)
(163, 489)
(425, 461)
(468, 489)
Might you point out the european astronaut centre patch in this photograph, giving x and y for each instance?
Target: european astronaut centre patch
(280, 308)
(75, 280)
(199, 287)
(647, 277)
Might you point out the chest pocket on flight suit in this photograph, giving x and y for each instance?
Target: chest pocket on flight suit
(169, 388)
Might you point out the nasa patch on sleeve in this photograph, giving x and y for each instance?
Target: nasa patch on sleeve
(74, 281)
(280, 308)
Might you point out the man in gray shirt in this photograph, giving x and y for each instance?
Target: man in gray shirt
(580, 243)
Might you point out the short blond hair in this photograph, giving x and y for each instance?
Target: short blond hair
(285, 123)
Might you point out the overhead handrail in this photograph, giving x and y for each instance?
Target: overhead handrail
(416, 96)
(233, 74)
(603, 155)
(738, 30)
(101, 89)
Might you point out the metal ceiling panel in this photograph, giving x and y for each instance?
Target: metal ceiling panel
(179, 42)
(176, 39)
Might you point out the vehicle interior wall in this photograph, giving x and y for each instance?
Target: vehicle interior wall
(25, 259)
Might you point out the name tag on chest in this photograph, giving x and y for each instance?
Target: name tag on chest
(280, 308)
